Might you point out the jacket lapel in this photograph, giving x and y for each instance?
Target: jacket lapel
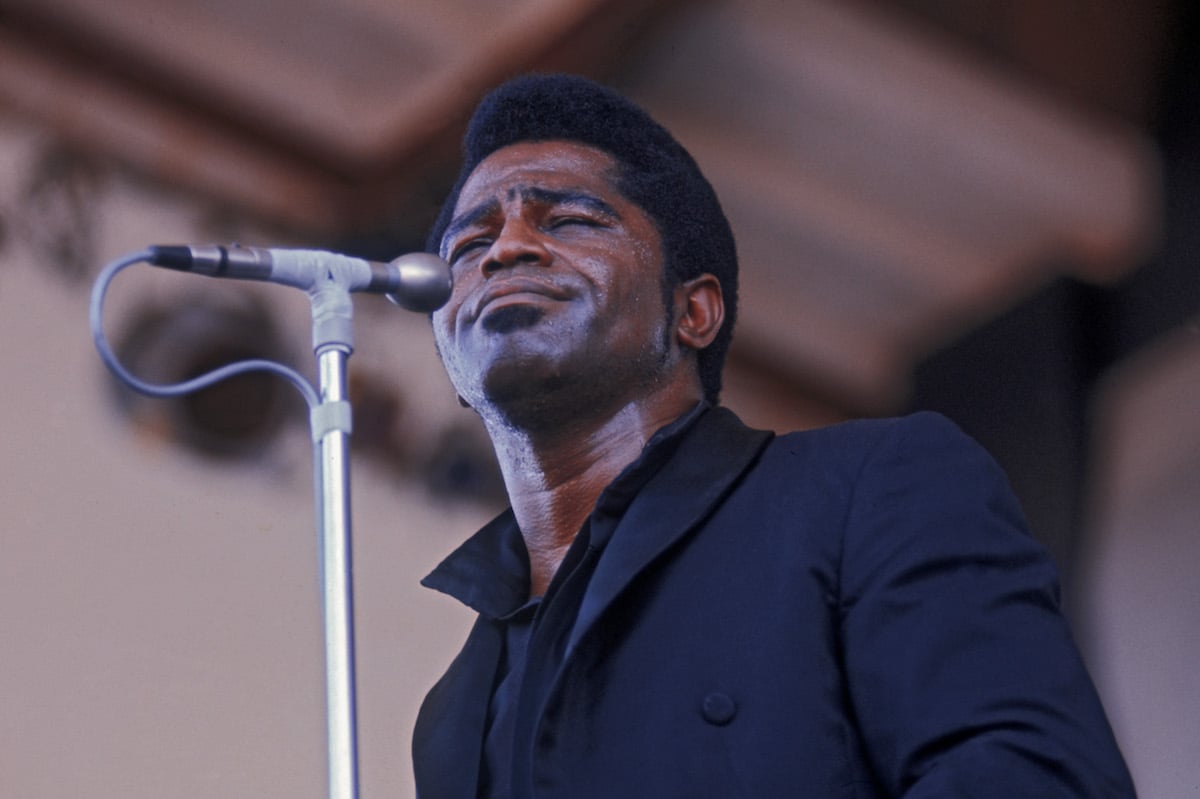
(448, 736)
(708, 462)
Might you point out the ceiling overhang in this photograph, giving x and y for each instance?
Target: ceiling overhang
(887, 189)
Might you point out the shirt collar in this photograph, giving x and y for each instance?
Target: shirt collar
(490, 571)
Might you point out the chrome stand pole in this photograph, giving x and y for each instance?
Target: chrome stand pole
(331, 425)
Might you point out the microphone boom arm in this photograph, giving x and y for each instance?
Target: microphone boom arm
(416, 281)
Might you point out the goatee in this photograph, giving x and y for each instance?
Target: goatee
(512, 317)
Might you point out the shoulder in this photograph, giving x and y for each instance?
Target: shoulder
(868, 433)
(923, 456)
(855, 448)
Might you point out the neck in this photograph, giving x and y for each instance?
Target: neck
(555, 476)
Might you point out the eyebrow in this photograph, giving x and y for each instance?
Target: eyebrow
(466, 219)
(527, 194)
(568, 197)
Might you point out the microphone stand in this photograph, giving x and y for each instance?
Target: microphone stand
(331, 422)
(416, 282)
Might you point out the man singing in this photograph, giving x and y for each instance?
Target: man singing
(676, 605)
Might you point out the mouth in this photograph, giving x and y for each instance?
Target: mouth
(512, 292)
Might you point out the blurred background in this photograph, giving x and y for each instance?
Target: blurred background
(982, 207)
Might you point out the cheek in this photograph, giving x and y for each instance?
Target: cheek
(447, 350)
(442, 324)
(644, 285)
(437, 321)
(444, 318)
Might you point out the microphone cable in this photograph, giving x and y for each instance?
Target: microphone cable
(96, 319)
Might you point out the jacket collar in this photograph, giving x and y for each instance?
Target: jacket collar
(702, 470)
(489, 572)
(447, 743)
(709, 459)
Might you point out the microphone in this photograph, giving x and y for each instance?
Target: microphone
(416, 281)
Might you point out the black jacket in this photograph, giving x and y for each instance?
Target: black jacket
(856, 611)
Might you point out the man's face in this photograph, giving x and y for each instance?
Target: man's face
(557, 279)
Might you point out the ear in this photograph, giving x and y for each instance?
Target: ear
(700, 310)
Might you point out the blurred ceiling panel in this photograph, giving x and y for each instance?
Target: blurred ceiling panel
(890, 183)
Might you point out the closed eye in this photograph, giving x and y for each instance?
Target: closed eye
(465, 247)
(566, 221)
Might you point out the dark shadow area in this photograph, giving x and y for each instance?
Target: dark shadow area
(1023, 384)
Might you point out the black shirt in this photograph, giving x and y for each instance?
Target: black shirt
(490, 573)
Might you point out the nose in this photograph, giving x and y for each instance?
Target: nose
(518, 242)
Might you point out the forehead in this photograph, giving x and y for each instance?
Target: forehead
(549, 164)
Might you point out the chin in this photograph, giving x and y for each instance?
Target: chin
(525, 383)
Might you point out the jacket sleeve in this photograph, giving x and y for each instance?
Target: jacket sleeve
(962, 672)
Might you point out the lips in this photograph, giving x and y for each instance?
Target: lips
(499, 289)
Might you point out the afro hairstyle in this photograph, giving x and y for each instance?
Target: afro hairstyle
(655, 173)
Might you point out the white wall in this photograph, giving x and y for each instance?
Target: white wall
(1145, 575)
(159, 613)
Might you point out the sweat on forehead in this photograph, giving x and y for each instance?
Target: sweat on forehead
(471, 215)
(570, 176)
(569, 108)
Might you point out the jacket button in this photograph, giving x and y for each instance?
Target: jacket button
(718, 708)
